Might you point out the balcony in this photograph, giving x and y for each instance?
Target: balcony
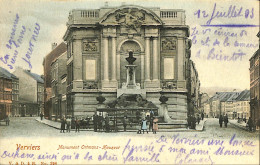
(173, 17)
(83, 17)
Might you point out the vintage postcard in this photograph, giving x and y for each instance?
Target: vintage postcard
(129, 82)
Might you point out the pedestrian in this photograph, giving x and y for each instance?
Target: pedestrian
(7, 120)
(124, 123)
(100, 120)
(95, 121)
(220, 120)
(202, 116)
(41, 115)
(193, 122)
(151, 123)
(63, 124)
(155, 125)
(87, 122)
(107, 124)
(144, 125)
(83, 123)
(151, 113)
(198, 119)
(68, 121)
(250, 124)
(77, 123)
(226, 120)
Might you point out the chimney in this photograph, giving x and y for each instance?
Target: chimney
(53, 45)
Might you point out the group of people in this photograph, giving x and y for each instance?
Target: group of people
(223, 119)
(149, 123)
(192, 120)
(109, 123)
(101, 123)
(66, 125)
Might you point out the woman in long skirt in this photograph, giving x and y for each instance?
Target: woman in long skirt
(155, 125)
(144, 125)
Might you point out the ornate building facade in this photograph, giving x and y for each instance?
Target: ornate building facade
(99, 41)
(255, 86)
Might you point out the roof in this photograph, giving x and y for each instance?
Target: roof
(244, 96)
(255, 55)
(6, 74)
(35, 76)
(231, 96)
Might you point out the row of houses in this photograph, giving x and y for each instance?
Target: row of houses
(234, 104)
(255, 85)
(243, 104)
(21, 93)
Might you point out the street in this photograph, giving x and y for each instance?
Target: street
(182, 147)
(28, 126)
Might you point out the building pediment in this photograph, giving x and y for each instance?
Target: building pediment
(131, 17)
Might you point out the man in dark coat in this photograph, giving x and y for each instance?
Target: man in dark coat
(226, 120)
(198, 119)
(193, 122)
(202, 116)
(95, 121)
(107, 124)
(63, 124)
(220, 120)
(7, 120)
(124, 123)
(250, 124)
(41, 115)
(87, 122)
(100, 120)
(77, 123)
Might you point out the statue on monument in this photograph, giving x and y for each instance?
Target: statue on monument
(130, 19)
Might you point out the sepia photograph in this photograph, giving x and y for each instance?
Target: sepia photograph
(129, 82)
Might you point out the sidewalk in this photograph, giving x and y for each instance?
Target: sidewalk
(57, 125)
(200, 127)
(50, 123)
(241, 125)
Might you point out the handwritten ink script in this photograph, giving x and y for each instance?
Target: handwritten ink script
(16, 41)
(178, 150)
(233, 11)
(223, 41)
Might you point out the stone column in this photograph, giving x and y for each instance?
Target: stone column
(113, 59)
(77, 64)
(118, 66)
(105, 52)
(180, 57)
(147, 59)
(155, 59)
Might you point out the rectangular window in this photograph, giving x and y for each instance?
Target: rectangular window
(90, 69)
(168, 68)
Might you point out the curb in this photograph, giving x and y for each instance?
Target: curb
(162, 130)
(238, 126)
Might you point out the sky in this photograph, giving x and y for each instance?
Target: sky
(220, 53)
